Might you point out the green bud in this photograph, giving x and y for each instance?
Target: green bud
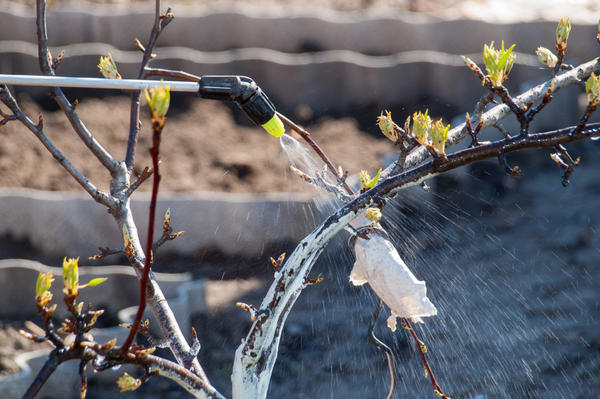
(108, 68)
(498, 63)
(421, 127)
(386, 125)
(439, 135)
(546, 57)
(592, 88)
(128, 383)
(364, 180)
(71, 275)
(562, 33)
(44, 281)
(158, 100)
(373, 214)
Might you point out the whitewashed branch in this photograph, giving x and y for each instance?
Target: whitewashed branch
(500, 112)
(256, 356)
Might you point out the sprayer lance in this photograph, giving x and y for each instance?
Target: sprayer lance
(239, 89)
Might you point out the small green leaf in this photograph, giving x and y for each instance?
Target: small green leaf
(71, 275)
(498, 63)
(373, 181)
(421, 127)
(128, 383)
(96, 281)
(386, 125)
(592, 88)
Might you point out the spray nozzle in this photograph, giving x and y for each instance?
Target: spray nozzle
(247, 95)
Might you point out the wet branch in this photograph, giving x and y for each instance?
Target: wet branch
(306, 136)
(499, 112)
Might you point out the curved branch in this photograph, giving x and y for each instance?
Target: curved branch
(255, 357)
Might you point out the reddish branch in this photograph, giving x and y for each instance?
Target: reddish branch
(422, 350)
(157, 126)
(306, 136)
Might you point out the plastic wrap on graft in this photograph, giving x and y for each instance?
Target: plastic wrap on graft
(379, 264)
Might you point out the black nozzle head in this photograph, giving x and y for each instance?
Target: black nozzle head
(243, 91)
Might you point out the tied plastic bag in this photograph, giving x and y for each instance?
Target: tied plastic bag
(379, 264)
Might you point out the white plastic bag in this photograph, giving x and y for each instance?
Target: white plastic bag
(379, 264)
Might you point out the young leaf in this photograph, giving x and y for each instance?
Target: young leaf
(95, 281)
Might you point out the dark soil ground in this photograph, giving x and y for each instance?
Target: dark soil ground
(203, 149)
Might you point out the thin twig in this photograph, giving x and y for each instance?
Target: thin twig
(384, 348)
(569, 164)
(160, 22)
(422, 349)
(306, 136)
(46, 66)
(146, 173)
(105, 251)
(168, 73)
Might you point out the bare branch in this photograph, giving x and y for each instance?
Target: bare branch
(306, 136)
(96, 193)
(82, 131)
(167, 73)
(160, 22)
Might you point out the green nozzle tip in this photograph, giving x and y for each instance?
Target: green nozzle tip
(274, 126)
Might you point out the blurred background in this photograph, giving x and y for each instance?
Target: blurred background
(511, 264)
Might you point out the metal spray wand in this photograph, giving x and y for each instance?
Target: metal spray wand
(240, 89)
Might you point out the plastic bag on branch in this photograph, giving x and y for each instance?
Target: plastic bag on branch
(379, 264)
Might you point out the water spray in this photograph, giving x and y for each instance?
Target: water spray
(240, 89)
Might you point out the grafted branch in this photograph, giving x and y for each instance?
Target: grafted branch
(256, 356)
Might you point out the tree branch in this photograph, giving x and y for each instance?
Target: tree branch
(160, 22)
(168, 73)
(96, 193)
(82, 131)
(494, 115)
(256, 356)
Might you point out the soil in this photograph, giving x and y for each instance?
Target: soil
(203, 149)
